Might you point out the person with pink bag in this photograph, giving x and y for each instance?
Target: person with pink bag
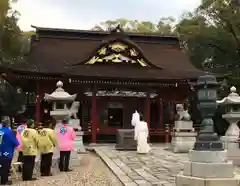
(20, 130)
(66, 136)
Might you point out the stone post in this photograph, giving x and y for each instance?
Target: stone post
(183, 135)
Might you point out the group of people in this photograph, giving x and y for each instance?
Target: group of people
(31, 143)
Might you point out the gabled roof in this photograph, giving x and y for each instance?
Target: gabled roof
(59, 50)
(117, 49)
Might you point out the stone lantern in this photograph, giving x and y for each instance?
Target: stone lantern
(208, 162)
(60, 110)
(59, 99)
(207, 95)
(230, 140)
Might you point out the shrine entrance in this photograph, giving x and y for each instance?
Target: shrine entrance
(115, 115)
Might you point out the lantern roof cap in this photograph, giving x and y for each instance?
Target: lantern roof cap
(232, 98)
(207, 79)
(59, 94)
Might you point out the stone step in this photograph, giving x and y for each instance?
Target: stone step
(182, 180)
(208, 156)
(208, 170)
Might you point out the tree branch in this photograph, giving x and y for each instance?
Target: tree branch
(214, 45)
(234, 34)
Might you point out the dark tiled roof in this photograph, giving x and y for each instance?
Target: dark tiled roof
(54, 53)
(124, 72)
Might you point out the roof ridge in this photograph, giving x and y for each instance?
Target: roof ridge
(104, 32)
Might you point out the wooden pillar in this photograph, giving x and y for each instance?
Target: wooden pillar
(148, 113)
(167, 126)
(38, 103)
(167, 133)
(160, 113)
(94, 115)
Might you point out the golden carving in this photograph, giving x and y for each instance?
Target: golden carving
(124, 58)
(133, 52)
(132, 56)
(110, 57)
(141, 62)
(102, 51)
(92, 60)
(117, 60)
(99, 60)
(118, 47)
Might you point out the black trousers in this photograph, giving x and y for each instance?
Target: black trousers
(20, 159)
(4, 170)
(28, 166)
(9, 171)
(64, 160)
(46, 164)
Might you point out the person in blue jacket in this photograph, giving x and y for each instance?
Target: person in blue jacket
(8, 142)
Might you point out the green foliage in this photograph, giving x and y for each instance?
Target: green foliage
(11, 51)
(11, 42)
(11, 99)
(29, 33)
(164, 26)
(223, 16)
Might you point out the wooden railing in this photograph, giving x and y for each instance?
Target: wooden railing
(166, 132)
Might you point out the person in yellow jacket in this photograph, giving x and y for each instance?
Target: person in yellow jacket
(47, 142)
(29, 150)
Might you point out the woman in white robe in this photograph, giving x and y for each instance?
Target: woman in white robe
(140, 133)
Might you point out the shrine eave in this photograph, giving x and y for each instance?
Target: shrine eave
(78, 78)
(104, 81)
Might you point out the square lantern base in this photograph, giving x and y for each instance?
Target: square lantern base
(182, 180)
(208, 142)
(207, 168)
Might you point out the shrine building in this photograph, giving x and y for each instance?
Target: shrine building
(113, 73)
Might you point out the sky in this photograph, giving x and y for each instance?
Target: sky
(84, 14)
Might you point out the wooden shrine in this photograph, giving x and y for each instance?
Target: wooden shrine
(113, 73)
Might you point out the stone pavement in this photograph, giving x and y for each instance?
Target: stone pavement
(156, 168)
(91, 172)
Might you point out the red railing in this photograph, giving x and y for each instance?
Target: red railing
(166, 132)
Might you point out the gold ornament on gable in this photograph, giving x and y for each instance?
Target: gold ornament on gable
(118, 47)
(142, 62)
(92, 60)
(133, 52)
(110, 57)
(102, 51)
(118, 57)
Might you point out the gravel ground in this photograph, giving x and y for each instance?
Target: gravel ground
(92, 172)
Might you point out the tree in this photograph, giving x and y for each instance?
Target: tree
(10, 34)
(164, 26)
(207, 46)
(223, 17)
(11, 100)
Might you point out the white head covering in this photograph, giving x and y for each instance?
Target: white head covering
(135, 118)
